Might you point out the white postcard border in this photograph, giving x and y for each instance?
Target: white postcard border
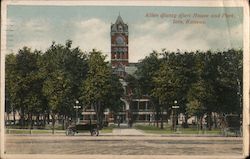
(192, 3)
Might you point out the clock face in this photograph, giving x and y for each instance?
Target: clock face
(120, 40)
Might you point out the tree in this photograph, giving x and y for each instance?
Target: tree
(185, 68)
(55, 89)
(97, 84)
(200, 97)
(203, 83)
(116, 92)
(170, 81)
(145, 74)
(229, 81)
(11, 99)
(218, 74)
(64, 69)
(146, 70)
(24, 90)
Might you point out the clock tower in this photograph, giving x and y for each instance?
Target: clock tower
(119, 43)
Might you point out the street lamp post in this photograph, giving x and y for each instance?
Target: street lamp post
(174, 114)
(77, 107)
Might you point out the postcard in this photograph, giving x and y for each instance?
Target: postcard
(124, 79)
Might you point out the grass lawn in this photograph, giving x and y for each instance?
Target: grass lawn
(167, 130)
(32, 131)
(15, 129)
(153, 129)
(146, 128)
(48, 130)
(108, 129)
(195, 131)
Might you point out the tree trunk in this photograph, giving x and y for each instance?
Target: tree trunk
(161, 123)
(44, 119)
(201, 127)
(209, 121)
(48, 118)
(53, 123)
(38, 123)
(99, 114)
(63, 122)
(30, 121)
(173, 120)
(215, 121)
(167, 117)
(66, 123)
(14, 117)
(22, 118)
(157, 119)
(161, 119)
(185, 124)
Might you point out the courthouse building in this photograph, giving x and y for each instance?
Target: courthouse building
(139, 109)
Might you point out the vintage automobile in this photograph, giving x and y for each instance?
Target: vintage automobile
(233, 125)
(82, 127)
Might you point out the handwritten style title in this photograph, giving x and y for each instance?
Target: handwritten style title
(189, 18)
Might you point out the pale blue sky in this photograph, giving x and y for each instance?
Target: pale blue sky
(89, 27)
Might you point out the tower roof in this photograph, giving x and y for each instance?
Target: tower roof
(119, 20)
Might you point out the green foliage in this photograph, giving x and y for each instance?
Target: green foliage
(96, 85)
(49, 83)
(146, 72)
(201, 82)
(101, 89)
(24, 83)
(11, 83)
(145, 85)
(112, 99)
(200, 97)
(41, 83)
(63, 68)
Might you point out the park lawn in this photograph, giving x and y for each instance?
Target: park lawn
(108, 129)
(32, 131)
(17, 131)
(195, 131)
(156, 130)
(153, 129)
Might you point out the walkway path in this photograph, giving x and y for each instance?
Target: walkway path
(127, 131)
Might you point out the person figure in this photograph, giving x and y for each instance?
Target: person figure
(150, 119)
(118, 121)
(130, 123)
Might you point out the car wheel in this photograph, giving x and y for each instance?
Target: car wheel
(71, 132)
(94, 132)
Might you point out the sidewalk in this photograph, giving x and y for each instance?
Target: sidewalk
(127, 131)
